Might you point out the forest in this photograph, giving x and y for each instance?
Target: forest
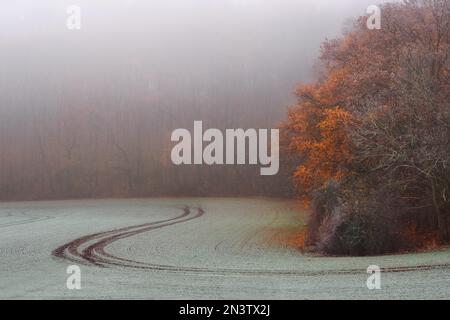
(372, 135)
(90, 113)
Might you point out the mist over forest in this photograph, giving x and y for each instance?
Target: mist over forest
(89, 113)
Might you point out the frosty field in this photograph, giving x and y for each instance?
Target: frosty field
(190, 248)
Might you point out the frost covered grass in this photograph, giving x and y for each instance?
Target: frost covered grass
(232, 244)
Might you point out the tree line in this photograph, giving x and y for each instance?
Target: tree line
(371, 136)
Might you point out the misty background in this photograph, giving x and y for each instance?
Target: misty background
(89, 113)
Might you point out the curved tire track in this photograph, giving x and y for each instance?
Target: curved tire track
(85, 249)
(91, 250)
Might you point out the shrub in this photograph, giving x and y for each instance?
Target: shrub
(362, 226)
(323, 202)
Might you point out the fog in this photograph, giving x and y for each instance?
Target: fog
(86, 113)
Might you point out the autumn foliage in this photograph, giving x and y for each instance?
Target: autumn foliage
(376, 126)
(320, 136)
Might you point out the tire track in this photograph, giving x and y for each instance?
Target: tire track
(85, 249)
(29, 219)
(91, 250)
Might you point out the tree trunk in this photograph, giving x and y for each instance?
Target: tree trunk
(441, 217)
(443, 227)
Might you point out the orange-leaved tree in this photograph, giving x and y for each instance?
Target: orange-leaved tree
(317, 131)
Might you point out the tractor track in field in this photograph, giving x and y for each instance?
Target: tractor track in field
(28, 219)
(92, 250)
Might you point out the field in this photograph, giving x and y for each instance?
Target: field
(191, 248)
